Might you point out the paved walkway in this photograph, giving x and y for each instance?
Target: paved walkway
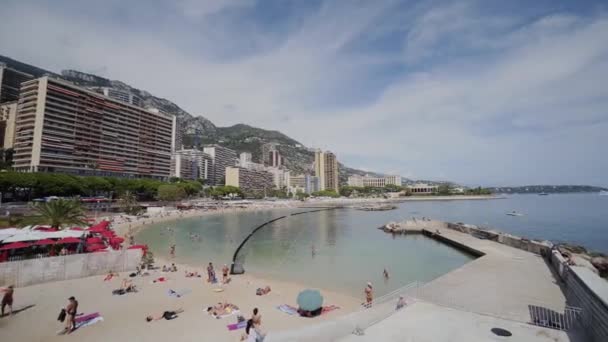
(504, 282)
(422, 322)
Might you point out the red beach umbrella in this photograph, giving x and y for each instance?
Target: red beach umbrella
(117, 239)
(94, 240)
(108, 234)
(144, 247)
(14, 245)
(44, 242)
(68, 240)
(76, 228)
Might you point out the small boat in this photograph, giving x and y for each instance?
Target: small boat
(515, 213)
(543, 194)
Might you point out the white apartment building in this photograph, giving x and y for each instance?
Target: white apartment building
(222, 158)
(8, 112)
(374, 182)
(304, 183)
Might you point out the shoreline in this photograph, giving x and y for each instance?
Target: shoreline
(134, 227)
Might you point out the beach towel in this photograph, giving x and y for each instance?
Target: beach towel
(89, 322)
(159, 280)
(84, 321)
(288, 309)
(86, 317)
(236, 326)
(233, 312)
(178, 293)
(329, 308)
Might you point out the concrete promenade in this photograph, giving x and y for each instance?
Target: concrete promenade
(504, 282)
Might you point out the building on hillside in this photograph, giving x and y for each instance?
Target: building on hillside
(304, 183)
(422, 189)
(191, 164)
(10, 83)
(374, 182)
(245, 160)
(275, 158)
(8, 113)
(60, 127)
(280, 177)
(251, 182)
(326, 168)
(120, 95)
(222, 158)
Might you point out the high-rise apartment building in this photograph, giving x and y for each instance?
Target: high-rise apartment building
(8, 112)
(10, 83)
(222, 158)
(280, 177)
(191, 164)
(251, 182)
(61, 127)
(275, 159)
(326, 168)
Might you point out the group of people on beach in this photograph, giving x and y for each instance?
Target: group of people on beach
(211, 278)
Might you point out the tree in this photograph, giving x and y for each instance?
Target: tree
(61, 212)
(326, 193)
(393, 188)
(444, 190)
(301, 195)
(171, 192)
(346, 191)
(225, 190)
(128, 203)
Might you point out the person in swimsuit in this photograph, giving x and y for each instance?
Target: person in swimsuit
(71, 310)
(225, 274)
(168, 315)
(7, 299)
(172, 251)
(211, 274)
(256, 319)
(369, 295)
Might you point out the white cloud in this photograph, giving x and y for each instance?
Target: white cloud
(502, 100)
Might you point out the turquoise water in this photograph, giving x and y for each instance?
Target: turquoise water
(349, 250)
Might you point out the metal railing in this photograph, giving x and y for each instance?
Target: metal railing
(548, 318)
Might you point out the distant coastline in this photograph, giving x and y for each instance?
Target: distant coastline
(547, 189)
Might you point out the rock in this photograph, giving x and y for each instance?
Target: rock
(601, 264)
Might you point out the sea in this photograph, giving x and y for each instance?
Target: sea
(342, 250)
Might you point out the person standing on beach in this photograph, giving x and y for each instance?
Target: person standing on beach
(369, 295)
(7, 299)
(172, 251)
(225, 270)
(211, 274)
(70, 319)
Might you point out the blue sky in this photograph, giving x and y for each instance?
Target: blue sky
(478, 92)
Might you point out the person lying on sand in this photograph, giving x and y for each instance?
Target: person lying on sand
(128, 286)
(262, 291)
(192, 274)
(110, 275)
(168, 315)
(221, 309)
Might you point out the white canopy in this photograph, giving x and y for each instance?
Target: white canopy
(34, 235)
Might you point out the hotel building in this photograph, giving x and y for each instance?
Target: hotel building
(249, 181)
(304, 183)
(326, 168)
(191, 164)
(60, 127)
(222, 158)
(422, 189)
(374, 182)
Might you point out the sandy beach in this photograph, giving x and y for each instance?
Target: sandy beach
(124, 316)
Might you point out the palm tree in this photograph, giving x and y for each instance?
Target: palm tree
(128, 203)
(60, 212)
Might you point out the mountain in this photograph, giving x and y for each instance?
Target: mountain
(549, 189)
(240, 137)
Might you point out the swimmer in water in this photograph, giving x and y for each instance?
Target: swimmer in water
(385, 273)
